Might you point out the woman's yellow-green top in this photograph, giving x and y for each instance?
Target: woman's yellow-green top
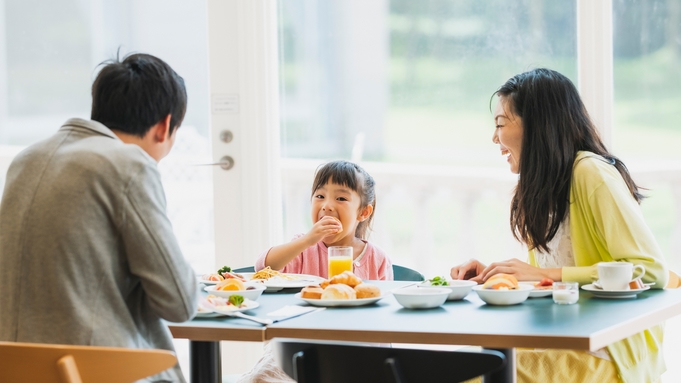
(606, 224)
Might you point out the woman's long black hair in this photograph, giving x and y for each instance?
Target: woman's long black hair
(556, 126)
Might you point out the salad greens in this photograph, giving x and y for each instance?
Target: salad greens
(224, 269)
(439, 281)
(236, 300)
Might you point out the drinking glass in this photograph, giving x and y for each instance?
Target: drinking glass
(340, 259)
(565, 293)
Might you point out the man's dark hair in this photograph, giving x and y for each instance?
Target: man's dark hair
(133, 95)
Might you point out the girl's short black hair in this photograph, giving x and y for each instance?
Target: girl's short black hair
(133, 95)
(350, 175)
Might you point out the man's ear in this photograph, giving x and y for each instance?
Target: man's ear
(366, 213)
(162, 129)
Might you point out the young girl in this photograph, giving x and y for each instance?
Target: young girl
(343, 202)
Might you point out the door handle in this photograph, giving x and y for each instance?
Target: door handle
(226, 163)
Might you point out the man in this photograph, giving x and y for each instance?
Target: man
(87, 254)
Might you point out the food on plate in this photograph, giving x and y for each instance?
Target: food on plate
(501, 282)
(234, 302)
(345, 278)
(438, 281)
(268, 273)
(224, 269)
(544, 284)
(338, 292)
(366, 290)
(312, 292)
(230, 284)
(636, 284)
(213, 277)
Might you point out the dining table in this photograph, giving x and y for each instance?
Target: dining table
(590, 324)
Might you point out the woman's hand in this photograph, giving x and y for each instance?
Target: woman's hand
(325, 227)
(469, 270)
(523, 271)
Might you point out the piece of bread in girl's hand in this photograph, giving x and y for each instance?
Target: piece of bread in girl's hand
(501, 281)
(311, 292)
(366, 290)
(339, 292)
(339, 223)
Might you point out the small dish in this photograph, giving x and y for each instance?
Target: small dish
(340, 302)
(457, 289)
(613, 294)
(420, 298)
(538, 292)
(252, 294)
(504, 297)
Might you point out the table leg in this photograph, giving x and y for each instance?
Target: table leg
(506, 374)
(205, 364)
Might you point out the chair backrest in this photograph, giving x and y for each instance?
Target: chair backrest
(322, 362)
(401, 273)
(247, 269)
(51, 363)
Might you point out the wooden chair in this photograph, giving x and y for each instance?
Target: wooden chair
(51, 363)
(674, 281)
(322, 362)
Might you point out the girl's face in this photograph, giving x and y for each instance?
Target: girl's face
(340, 202)
(508, 133)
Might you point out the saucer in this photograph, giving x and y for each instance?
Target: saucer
(613, 293)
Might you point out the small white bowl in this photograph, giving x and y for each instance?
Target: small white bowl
(504, 297)
(252, 294)
(417, 298)
(457, 289)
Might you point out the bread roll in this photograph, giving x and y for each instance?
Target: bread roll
(339, 291)
(312, 292)
(346, 278)
(366, 290)
(501, 282)
(340, 223)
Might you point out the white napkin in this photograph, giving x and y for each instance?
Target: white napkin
(292, 311)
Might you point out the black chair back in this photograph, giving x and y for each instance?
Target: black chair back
(321, 362)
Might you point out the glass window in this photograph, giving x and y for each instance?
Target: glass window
(404, 87)
(647, 49)
(50, 51)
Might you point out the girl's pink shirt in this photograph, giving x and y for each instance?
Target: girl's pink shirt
(374, 265)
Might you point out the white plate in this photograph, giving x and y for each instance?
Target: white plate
(252, 294)
(208, 315)
(613, 293)
(248, 305)
(340, 302)
(458, 289)
(537, 293)
(276, 283)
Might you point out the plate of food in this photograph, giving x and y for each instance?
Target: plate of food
(457, 289)
(540, 289)
(227, 306)
(343, 290)
(503, 290)
(222, 274)
(275, 280)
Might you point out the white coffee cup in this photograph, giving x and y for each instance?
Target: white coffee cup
(617, 275)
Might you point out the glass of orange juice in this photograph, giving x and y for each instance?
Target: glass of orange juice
(340, 259)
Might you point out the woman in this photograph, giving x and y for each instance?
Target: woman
(575, 205)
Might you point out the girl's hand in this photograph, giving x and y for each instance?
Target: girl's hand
(523, 271)
(325, 227)
(469, 270)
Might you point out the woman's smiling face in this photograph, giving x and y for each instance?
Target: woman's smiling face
(508, 133)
